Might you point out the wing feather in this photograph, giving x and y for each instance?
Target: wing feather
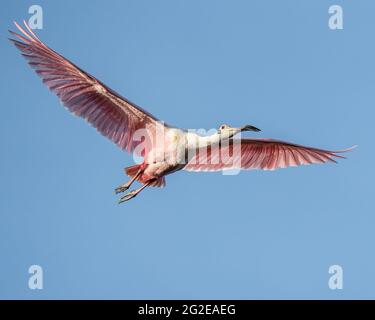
(85, 96)
(264, 154)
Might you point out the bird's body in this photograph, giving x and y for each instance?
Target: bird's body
(164, 149)
(172, 152)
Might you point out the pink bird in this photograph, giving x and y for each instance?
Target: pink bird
(165, 149)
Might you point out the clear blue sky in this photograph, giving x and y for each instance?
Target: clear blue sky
(194, 64)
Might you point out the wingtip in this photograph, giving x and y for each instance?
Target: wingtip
(351, 148)
(347, 150)
(27, 26)
(16, 24)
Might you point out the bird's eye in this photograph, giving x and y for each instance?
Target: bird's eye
(222, 127)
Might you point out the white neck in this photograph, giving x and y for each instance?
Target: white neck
(196, 141)
(209, 140)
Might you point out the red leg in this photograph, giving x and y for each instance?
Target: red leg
(133, 193)
(126, 185)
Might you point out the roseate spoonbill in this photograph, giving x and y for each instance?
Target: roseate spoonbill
(119, 119)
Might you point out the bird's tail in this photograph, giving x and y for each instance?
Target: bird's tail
(132, 170)
(143, 178)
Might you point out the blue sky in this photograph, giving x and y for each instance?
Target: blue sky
(194, 64)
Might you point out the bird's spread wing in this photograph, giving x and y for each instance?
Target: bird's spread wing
(114, 116)
(264, 154)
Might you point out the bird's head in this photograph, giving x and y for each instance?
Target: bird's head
(228, 131)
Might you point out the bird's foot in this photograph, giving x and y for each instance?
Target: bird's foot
(128, 196)
(121, 188)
